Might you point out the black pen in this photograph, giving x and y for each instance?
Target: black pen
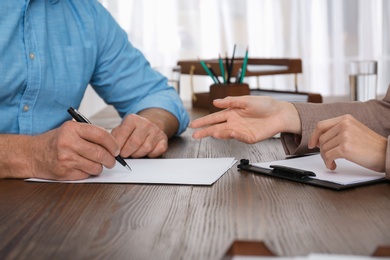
(82, 119)
(231, 64)
(291, 172)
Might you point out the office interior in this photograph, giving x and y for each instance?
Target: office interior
(325, 35)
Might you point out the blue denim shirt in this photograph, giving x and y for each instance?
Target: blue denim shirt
(50, 50)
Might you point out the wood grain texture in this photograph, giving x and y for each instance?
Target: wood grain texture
(126, 221)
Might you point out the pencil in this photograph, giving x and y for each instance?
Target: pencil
(222, 68)
(208, 71)
(238, 77)
(244, 65)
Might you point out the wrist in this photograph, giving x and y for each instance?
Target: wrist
(291, 118)
(15, 159)
(162, 119)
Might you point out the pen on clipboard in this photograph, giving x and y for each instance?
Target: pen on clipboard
(277, 170)
(82, 119)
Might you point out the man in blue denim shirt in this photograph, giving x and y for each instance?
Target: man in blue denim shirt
(50, 51)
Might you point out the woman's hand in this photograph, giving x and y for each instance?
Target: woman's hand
(346, 137)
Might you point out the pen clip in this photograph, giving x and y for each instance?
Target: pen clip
(291, 172)
(86, 120)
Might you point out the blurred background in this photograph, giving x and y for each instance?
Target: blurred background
(325, 34)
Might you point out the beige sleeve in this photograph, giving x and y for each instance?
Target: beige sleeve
(374, 113)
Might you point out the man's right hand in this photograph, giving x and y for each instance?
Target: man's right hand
(71, 152)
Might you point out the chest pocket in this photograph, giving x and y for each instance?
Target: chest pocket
(72, 70)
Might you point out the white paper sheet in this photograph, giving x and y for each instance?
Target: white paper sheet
(345, 173)
(194, 171)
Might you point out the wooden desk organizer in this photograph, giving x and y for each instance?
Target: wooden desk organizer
(204, 99)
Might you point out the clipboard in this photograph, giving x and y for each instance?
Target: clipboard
(302, 176)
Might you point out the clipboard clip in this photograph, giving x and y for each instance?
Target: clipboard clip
(279, 170)
(294, 173)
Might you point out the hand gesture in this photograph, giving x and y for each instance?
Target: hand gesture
(249, 119)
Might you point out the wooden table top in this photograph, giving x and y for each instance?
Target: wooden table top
(133, 221)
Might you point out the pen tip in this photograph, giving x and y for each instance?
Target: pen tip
(128, 167)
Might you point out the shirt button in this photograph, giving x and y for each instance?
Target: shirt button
(32, 56)
(26, 108)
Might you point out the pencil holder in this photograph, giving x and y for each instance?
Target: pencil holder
(219, 91)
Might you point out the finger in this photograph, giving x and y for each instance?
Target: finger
(214, 118)
(231, 102)
(70, 166)
(94, 153)
(155, 144)
(209, 131)
(159, 149)
(89, 167)
(321, 127)
(124, 130)
(329, 157)
(98, 136)
(137, 139)
(329, 151)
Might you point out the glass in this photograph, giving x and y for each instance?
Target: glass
(173, 74)
(363, 80)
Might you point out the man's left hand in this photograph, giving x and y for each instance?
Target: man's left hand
(139, 137)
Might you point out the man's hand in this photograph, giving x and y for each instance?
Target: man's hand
(71, 152)
(249, 119)
(138, 137)
(346, 137)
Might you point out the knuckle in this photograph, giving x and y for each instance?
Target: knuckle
(100, 153)
(100, 133)
(345, 149)
(320, 124)
(63, 157)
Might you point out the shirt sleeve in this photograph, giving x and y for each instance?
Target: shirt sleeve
(124, 78)
(374, 114)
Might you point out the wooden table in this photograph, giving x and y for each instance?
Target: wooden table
(126, 221)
